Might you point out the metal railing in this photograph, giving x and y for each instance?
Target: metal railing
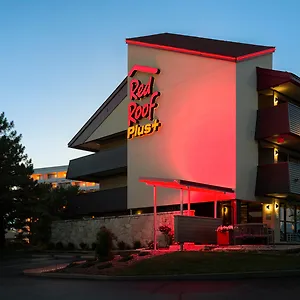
(253, 232)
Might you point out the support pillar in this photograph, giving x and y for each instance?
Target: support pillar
(154, 218)
(181, 212)
(189, 202)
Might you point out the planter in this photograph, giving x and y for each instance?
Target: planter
(224, 238)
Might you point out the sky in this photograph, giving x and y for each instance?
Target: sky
(61, 59)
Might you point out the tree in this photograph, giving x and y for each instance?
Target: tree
(16, 184)
(50, 204)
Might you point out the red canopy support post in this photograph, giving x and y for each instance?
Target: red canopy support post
(181, 212)
(154, 218)
(189, 202)
(215, 206)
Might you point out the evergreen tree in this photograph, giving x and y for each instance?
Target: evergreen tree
(16, 184)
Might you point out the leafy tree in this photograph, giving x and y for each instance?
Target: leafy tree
(50, 204)
(16, 184)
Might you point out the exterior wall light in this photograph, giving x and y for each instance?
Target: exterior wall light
(276, 153)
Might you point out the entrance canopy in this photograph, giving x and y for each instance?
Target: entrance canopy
(184, 185)
(181, 185)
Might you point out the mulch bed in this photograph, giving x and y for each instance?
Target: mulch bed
(105, 268)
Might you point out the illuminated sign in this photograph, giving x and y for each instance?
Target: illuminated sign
(138, 111)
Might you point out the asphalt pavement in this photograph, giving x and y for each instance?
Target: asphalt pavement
(14, 286)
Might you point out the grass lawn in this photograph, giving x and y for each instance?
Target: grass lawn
(211, 262)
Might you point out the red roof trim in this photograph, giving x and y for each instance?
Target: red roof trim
(256, 54)
(186, 51)
(204, 54)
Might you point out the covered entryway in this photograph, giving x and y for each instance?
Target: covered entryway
(217, 194)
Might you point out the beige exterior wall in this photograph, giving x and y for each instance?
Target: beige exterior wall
(246, 110)
(114, 123)
(197, 109)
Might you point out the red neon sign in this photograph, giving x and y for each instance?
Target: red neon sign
(142, 69)
(136, 111)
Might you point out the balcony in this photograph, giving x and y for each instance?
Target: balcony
(278, 180)
(280, 125)
(96, 166)
(97, 203)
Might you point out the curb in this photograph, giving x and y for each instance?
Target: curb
(187, 277)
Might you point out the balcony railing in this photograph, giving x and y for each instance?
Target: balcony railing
(105, 201)
(283, 119)
(281, 179)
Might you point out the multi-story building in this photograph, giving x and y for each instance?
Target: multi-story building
(208, 117)
(56, 176)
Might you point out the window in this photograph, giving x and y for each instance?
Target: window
(289, 223)
(51, 175)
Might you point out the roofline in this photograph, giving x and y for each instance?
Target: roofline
(72, 143)
(47, 168)
(204, 54)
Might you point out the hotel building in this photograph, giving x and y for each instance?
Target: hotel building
(210, 118)
(56, 176)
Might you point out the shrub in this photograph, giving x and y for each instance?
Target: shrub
(94, 245)
(144, 253)
(137, 245)
(151, 245)
(104, 243)
(70, 246)
(51, 246)
(126, 258)
(104, 266)
(87, 264)
(59, 246)
(121, 245)
(83, 246)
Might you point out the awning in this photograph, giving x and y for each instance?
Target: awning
(184, 185)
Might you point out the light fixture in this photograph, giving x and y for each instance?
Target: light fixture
(268, 207)
(276, 205)
(280, 140)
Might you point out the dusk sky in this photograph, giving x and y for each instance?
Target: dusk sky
(61, 59)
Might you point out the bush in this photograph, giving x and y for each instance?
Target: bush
(104, 266)
(83, 246)
(87, 264)
(70, 246)
(137, 245)
(144, 253)
(51, 246)
(94, 245)
(59, 246)
(121, 245)
(104, 243)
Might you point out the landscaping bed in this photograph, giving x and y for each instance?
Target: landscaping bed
(186, 263)
(109, 267)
